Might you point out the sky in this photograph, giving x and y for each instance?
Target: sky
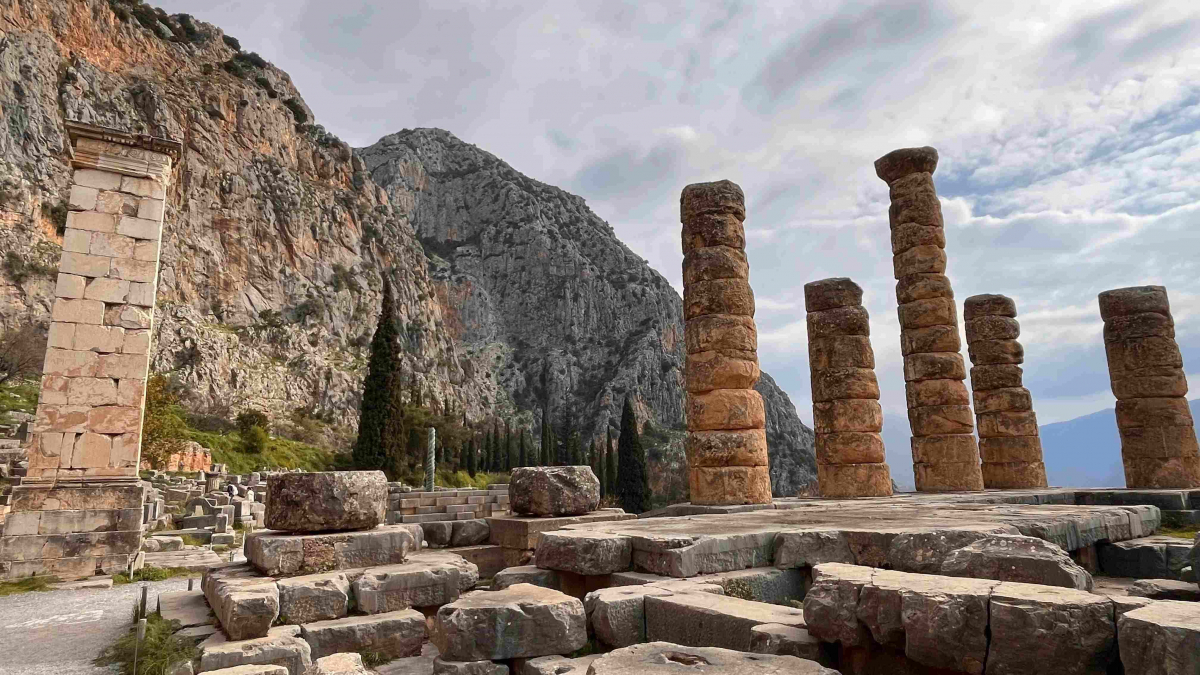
(1069, 137)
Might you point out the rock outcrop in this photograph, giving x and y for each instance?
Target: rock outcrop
(511, 293)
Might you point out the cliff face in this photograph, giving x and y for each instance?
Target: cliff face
(511, 293)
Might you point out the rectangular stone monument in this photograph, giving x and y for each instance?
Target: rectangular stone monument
(79, 508)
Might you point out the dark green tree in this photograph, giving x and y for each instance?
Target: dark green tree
(632, 480)
(602, 472)
(522, 449)
(471, 461)
(610, 469)
(376, 442)
(508, 446)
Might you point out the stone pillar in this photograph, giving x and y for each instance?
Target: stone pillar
(1158, 439)
(945, 454)
(431, 460)
(846, 412)
(1008, 429)
(726, 441)
(78, 511)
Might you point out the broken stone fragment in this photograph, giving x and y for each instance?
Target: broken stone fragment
(393, 634)
(663, 658)
(1019, 559)
(554, 490)
(586, 553)
(326, 501)
(519, 621)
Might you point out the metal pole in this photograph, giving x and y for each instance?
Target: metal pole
(430, 460)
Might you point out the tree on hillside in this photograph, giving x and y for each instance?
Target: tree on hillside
(376, 443)
(610, 469)
(471, 460)
(508, 446)
(164, 431)
(22, 351)
(522, 449)
(631, 477)
(602, 472)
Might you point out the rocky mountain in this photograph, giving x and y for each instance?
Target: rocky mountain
(512, 294)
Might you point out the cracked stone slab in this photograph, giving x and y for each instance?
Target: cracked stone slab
(664, 658)
(284, 554)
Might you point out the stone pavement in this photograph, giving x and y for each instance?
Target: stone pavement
(60, 632)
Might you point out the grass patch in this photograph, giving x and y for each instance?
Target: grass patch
(159, 650)
(228, 449)
(374, 659)
(152, 574)
(26, 585)
(463, 480)
(193, 540)
(1185, 532)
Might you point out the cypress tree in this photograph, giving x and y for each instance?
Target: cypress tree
(522, 449)
(374, 444)
(547, 434)
(508, 446)
(602, 473)
(631, 472)
(610, 459)
(470, 449)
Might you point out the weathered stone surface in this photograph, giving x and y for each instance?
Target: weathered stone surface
(438, 533)
(526, 574)
(326, 501)
(186, 607)
(443, 667)
(1037, 628)
(554, 665)
(743, 447)
(236, 670)
(1162, 638)
(1019, 559)
(1156, 557)
(292, 653)
(281, 553)
(554, 490)
(395, 634)
(245, 602)
(470, 532)
(704, 619)
(519, 621)
(427, 580)
(339, 664)
(925, 551)
(522, 532)
(617, 615)
(1166, 589)
(761, 584)
(584, 553)
(661, 658)
(316, 597)
(778, 639)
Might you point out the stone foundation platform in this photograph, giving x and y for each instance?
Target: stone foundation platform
(284, 553)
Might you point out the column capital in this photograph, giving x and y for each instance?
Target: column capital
(135, 155)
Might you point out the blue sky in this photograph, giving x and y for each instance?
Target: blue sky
(1069, 136)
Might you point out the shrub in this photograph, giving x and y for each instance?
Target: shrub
(164, 431)
(235, 69)
(297, 109)
(255, 440)
(252, 58)
(160, 649)
(232, 42)
(250, 418)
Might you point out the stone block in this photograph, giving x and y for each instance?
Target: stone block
(730, 485)
(1162, 638)
(437, 533)
(245, 603)
(862, 415)
(1166, 589)
(471, 532)
(554, 491)
(134, 270)
(284, 650)
(114, 420)
(427, 580)
(922, 287)
(143, 187)
(70, 286)
(1018, 559)
(519, 621)
(150, 208)
(395, 634)
(91, 221)
(82, 198)
(761, 584)
(838, 321)
(187, 607)
(715, 262)
(746, 447)
(617, 615)
(841, 383)
(146, 250)
(290, 554)
(527, 574)
(935, 311)
(324, 501)
(661, 658)
(931, 339)
(934, 366)
(522, 532)
(316, 597)
(111, 245)
(719, 296)
(67, 310)
(706, 371)
(844, 481)
(778, 639)
(720, 331)
(443, 667)
(727, 409)
(127, 316)
(554, 665)
(941, 419)
(705, 619)
(492, 559)
(584, 553)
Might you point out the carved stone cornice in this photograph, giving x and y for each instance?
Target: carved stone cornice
(137, 155)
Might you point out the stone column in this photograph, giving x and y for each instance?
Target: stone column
(431, 460)
(846, 412)
(1008, 429)
(726, 441)
(1158, 439)
(78, 511)
(945, 454)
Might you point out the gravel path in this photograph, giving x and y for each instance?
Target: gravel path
(60, 632)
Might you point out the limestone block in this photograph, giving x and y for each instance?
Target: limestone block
(922, 287)
(127, 316)
(114, 419)
(427, 580)
(1153, 412)
(830, 605)
(146, 250)
(105, 339)
(554, 490)
(150, 209)
(554, 665)
(840, 383)
(925, 259)
(719, 296)
(327, 500)
(942, 449)
(526, 574)
(443, 667)
(61, 418)
(849, 448)
(989, 305)
(774, 638)
(1019, 559)
(283, 650)
(660, 658)
(1171, 472)
(438, 533)
(586, 553)
(130, 269)
(843, 481)
(992, 328)
(727, 409)
(95, 178)
(936, 392)
(139, 228)
(1151, 385)
(519, 621)
(316, 597)
(91, 391)
(280, 553)
(131, 392)
(809, 548)
(761, 584)
(1135, 326)
(996, 352)
(847, 415)
(111, 245)
(938, 311)
(92, 221)
(1001, 376)
(1075, 631)
(710, 370)
(841, 351)
(705, 619)
(1134, 300)
(1011, 399)
(940, 338)
(941, 419)
(70, 286)
(956, 476)
(838, 321)
(122, 366)
(744, 447)
(1166, 589)
(143, 187)
(1162, 638)
(141, 294)
(906, 236)
(924, 551)
(246, 604)
(730, 485)
(68, 310)
(713, 229)
(395, 634)
(617, 615)
(723, 196)
(185, 668)
(82, 198)
(934, 366)
(715, 262)
(720, 331)
(1012, 475)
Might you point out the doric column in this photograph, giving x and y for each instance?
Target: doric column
(726, 441)
(846, 412)
(945, 454)
(79, 509)
(1008, 430)
(1158, 439)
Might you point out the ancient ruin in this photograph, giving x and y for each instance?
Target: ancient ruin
(78, 510)
(846, 413)
(1008, 432)
(945, 454)
(726, 438)
(1158, 437)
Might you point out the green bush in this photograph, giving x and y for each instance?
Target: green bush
(157, 652)
(27, 584)
(229, 449)
(256, 440)
(154, 573)
(250, 418)
(232, 43)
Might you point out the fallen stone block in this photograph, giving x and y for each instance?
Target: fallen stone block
(470, 532)
(809, 548)
(1162, 638)
(831, 605)
(1046, 629)
(521, 532)
(682, 557)
(663, 658)
(1157, 557)
(519, 621)
(236, 670)
(290, 652)
(553, 665)
(427, 580)
(443, 667)
(924, 551)
(187, 607)
(708, 620)
(774, 638)
(554, 490)
(395, 634)
(1019, 559)
(1166, 589)
(583, 553)
(488, 559)
(283, 554)
(762, 584)
(169, 543)
(246, 603)
(617, 615)
(526, 574)
(326, 501)
(315, 597)
(339, 664)
(438, 533)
